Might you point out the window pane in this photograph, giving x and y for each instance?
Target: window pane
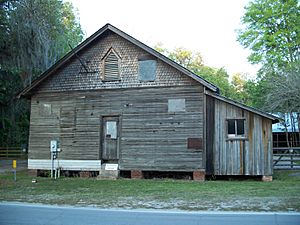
(147, 70)
(111, 129)
(240, 127)
(231, 126)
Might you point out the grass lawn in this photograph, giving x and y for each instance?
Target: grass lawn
(283, 194)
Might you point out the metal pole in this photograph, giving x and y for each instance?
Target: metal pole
(52, 164)
(15, 175)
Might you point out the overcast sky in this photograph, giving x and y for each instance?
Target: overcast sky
(206, 26)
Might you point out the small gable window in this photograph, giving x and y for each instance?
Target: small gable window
(111, 67)
(235, 128)
(147, 70)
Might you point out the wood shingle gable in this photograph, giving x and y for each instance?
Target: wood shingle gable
(72, 56)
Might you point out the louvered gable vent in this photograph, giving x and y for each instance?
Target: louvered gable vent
(111, 67)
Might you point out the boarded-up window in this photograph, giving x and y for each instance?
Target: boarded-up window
(176, 105)
(236, 127)
(147, 70)
(111, 67)
(45, 109)
(194, 143)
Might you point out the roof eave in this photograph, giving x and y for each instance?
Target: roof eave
(248, 108)
(94, 36)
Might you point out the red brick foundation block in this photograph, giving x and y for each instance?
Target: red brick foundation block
(199, 175)
(32, 173)
(136, 174)
(84, 174)
(266, 178)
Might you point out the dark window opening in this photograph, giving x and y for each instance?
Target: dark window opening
(231, 126)
(240, 127)
(236, 127)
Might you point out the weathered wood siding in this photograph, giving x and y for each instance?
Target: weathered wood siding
(73, 76)
(69, 106)
(151, 137)
(249, 156)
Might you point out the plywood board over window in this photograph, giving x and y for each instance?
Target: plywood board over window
(147, 70)
(45, 109)
(176, 105)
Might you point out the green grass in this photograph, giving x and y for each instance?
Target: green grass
(283, 194)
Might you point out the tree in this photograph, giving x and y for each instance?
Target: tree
(34, 34)
(284, 96)
(271, 30)
(220, 78)
(242, 88)
(186, 58)
(193, 61)
(284, 99)
(40, 40)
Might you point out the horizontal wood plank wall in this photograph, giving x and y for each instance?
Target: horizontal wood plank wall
(252, 156)
(151, 137)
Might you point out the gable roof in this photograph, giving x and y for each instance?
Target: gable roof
(129, 38)
(274, 119)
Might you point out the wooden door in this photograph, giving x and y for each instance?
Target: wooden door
(110, 138)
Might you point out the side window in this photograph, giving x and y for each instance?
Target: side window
(147, 70)
(176, 105)
(235, 128)
(111, 67)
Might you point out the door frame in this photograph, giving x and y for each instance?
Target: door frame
(101, 135)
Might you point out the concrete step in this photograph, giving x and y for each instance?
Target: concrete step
(109, 171)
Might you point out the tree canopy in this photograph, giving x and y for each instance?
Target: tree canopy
(217, 76)
(33, 44)
(271, 30)
(33, 35)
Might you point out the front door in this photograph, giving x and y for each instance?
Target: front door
(110, 138)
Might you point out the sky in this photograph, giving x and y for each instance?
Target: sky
(205, 26)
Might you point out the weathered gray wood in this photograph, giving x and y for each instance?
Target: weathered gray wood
(151, 138)
(245, 156)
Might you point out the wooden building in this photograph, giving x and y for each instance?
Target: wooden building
(115, 101)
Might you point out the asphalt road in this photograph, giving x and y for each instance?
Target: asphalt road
(21, 214)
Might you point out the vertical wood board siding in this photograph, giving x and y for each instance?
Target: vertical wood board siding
(249, 156)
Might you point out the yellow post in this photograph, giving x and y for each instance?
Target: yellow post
(14, 164)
